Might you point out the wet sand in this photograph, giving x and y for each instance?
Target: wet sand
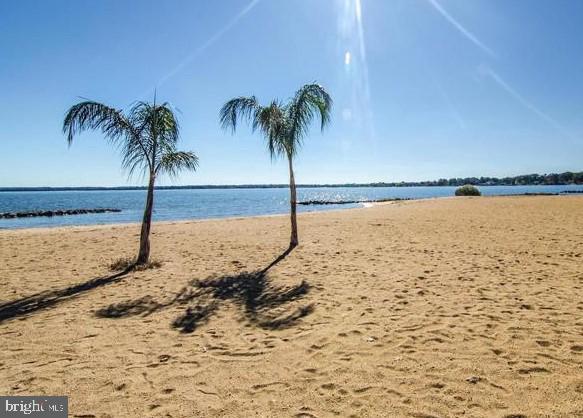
(433, 308)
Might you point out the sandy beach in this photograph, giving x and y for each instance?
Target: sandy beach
(433, 308)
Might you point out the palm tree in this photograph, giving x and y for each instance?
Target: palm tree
(284, 126)
(146, 136)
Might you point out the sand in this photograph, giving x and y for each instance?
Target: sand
(435, 308)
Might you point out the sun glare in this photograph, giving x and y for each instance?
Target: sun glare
(347, 58)
(357, 106)
(358, 10)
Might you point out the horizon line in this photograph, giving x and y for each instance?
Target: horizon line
(279, 185)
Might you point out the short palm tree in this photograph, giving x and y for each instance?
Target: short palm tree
(284, 126)
(147, 136)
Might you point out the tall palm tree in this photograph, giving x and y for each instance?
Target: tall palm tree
(146, 136)
(284, 126)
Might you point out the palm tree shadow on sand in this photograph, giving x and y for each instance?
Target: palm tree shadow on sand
(44, 300)
(263, 304)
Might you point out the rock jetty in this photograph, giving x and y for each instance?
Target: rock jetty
(50, 213)
(347, 202)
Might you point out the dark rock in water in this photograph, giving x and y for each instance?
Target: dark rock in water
(347, 202)
(50, 213)
(572, 191)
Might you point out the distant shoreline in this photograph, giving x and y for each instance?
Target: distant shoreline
(255, 186)
(247, 186)
(553, 179)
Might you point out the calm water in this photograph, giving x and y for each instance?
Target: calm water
(205, 204)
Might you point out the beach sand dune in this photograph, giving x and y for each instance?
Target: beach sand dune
(435, 308)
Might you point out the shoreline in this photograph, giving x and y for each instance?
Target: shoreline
(457, 182)
(364, 205)
(177, 221)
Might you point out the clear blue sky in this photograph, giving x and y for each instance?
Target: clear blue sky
(423, 89)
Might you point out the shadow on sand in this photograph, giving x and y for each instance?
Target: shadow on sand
(43, 300)
(263, 303)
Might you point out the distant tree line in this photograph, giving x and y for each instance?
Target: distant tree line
(567, 177)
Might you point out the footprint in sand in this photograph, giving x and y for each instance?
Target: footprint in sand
(119, 387)
(533, 370)
(363, 389)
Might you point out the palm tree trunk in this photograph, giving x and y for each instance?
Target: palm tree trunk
(144, 254)
(293, 200)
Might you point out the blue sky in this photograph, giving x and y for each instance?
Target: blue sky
(423, 89)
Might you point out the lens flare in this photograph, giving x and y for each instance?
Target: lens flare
(356, 101)
(347, 58)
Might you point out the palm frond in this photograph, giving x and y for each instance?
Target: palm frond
(172, 162)
(135, 157)
(167, 126)
(93, 115)
(309, 101)
(141, 117)
(271, 121)
(239, 108)
(146, 137)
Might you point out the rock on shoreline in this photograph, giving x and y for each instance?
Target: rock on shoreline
(347, 202)
(59, 212)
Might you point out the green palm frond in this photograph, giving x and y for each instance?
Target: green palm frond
(244, 108)
(146, 136)
(173, 162)
(135, 157)
(96, 116)
(166, 124)
(272, 123)
(283, 126)
(309, 101)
